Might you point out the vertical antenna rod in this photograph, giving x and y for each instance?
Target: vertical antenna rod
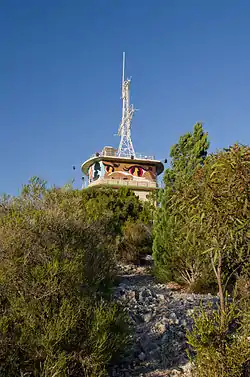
(126, 147)
(123, 67)
(123, 79)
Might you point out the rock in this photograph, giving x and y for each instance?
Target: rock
(175, 372)
(160, 297)
(173, 316)
(154, 354)
(187, 368)
(147, 317)
(160, 315)
(147, 344)
(142, 356)
(159, 328)
(190, 312)
(184, 323)
(131, 295)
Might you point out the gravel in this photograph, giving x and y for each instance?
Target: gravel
(160, 316)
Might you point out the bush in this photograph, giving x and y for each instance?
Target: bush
(130, 220)
(178, 247)
(176, 252)
(204, 225)
(221, 350)
(56, 273)
(121, 204)
(136, 242)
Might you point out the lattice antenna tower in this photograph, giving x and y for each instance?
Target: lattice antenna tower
(126, 146)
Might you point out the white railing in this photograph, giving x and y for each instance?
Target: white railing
(122, 182)
(114, 154)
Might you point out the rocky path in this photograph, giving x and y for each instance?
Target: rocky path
(160, 316)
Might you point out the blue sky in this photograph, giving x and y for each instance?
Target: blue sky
(60, 77)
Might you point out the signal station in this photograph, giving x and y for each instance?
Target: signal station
(123, 166)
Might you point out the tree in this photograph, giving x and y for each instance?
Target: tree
(186, 155)
(128, 216)
(221, 196)
(172, 262)
(224, 211)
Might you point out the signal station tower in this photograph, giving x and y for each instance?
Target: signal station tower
(123, 167)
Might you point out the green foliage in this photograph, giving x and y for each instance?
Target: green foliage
(221, 350)
(176, 252)
(224, 211)
(56, 273)
(186, 155)
(35, 188)
(130, 219)
(121, 203)
(202, 233)
(136, 241)
(207, 218)
(205, 222)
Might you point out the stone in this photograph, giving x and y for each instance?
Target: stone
(190, 312)
(147, 317)
(161, 316)
(159, 328)
(187, 367)
(131, 295)
(142, 356)
(160, 297)
(147, 344)
(154, 354)
(184, 323)
(173, 316)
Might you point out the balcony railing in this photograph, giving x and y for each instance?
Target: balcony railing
(122, 182)
(139, 156)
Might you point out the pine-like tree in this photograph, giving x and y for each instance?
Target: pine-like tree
(189, 153)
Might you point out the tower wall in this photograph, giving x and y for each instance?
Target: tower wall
(126, 171)
(137, 174)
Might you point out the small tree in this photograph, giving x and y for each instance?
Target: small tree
(130, 218)
(176, 255)
(220, 338)
(186, 155)
(225, 212)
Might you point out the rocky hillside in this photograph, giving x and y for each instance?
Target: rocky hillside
(160, 315)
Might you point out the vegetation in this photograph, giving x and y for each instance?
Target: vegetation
(202, 234)
(59, 250)
(131, 220)
(176, 255)
(222, 221)
(221, 341)
(186, 155)
(136, 241)
(57, 267)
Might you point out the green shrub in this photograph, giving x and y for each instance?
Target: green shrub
(56, 273)
(176, 250)
(178, 243)
(136, 242)
(204, 225)
(130, 219)
(221, 350)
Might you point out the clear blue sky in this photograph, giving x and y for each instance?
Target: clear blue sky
(60, 76)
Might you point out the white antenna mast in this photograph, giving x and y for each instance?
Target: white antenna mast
(126, 147)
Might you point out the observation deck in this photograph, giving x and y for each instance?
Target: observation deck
(111, 154)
